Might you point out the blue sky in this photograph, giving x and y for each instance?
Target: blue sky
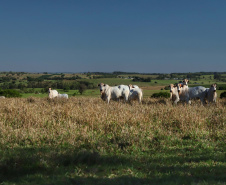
(147, 36)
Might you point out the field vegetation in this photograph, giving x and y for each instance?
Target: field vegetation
(37, 84)
(85, 141)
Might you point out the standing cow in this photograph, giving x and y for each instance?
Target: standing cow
(174, 95)
(135, 93)
(53, 93)
(114, 93)
(212, 94)
(188, 93)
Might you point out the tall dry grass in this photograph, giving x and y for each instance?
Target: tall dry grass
(90, 122)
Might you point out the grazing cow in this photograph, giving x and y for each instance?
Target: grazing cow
(174, 96)
(2, 96)
(135, 93)
(52, 93)
(114, 93)
(188, 93)
(62, 96)
(212, 94)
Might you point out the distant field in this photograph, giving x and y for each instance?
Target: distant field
(148, 87)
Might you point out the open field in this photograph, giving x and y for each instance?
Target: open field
(85, 141)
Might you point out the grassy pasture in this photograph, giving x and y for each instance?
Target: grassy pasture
(147, 92)
(85, 141)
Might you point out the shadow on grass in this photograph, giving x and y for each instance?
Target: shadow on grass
(76, 166)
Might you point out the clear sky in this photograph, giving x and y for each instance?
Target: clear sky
(149, 36)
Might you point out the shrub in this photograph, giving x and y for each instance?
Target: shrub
(223, 95)
(222, 87)
(161, 95)
(66, 89)
(82, 88)
(167, 87)
(140, 79)
(10, 93)
(75, 93)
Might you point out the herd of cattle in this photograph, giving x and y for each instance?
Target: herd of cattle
(181, 92)
(178, 92)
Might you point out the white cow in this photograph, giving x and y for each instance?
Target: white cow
(114, 93)
(63, 96)
(212, 94)
(2, 97)
(52, 93)
(174, 95)
(188, 93)
(135, 93)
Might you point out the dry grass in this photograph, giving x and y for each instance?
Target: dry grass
(91, 122)
(85, 141)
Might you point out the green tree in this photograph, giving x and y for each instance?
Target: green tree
(82, 88)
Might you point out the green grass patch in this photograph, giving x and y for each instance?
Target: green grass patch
(167, 161)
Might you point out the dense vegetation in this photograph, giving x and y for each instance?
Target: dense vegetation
(223, 95)
(161, 95)
(9, 93)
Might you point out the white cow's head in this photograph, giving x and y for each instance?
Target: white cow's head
(214, 87)
(172, 87)
(49, 90)
(103, 87)
(185, 82)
